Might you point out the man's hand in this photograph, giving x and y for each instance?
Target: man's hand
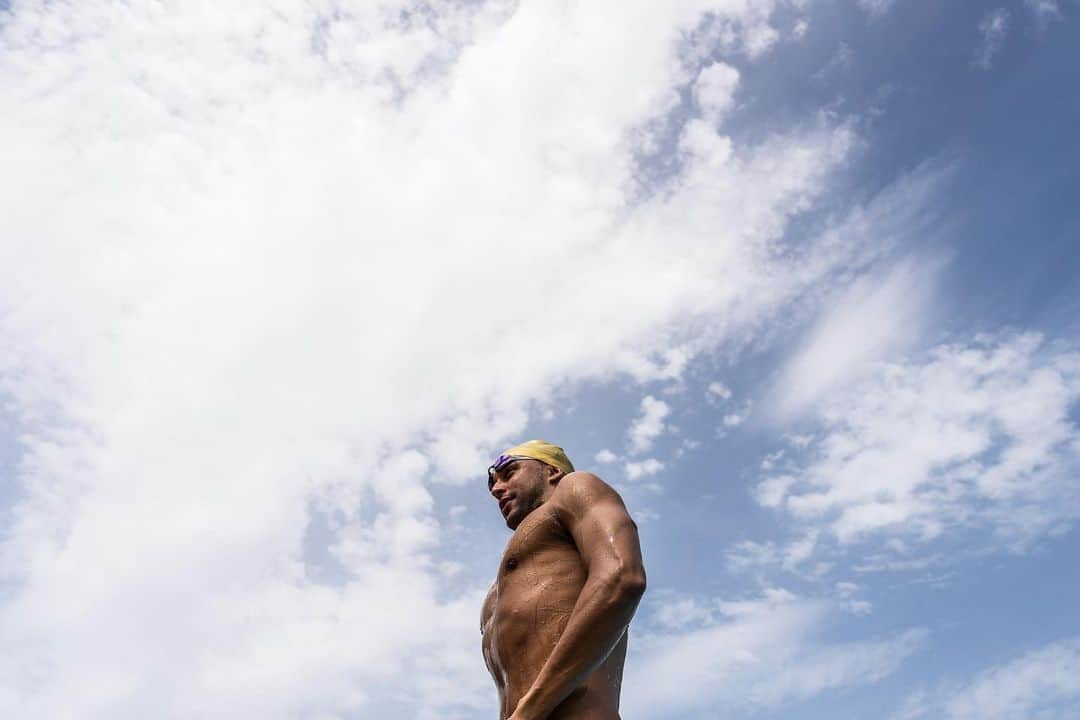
(523, 711)
(518, 716)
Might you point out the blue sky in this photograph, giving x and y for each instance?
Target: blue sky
(798, 278)
(1007, 224)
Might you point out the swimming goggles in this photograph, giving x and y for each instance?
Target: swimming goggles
(501, 462)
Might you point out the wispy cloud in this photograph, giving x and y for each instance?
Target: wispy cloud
(978, 435)
(1044, 11)
(1044, 684)
(881, 314)
(884, 303)
(993, 29)
(717, 392)
(839, 62)
(764, 557)
(750, 655)
(876, 8)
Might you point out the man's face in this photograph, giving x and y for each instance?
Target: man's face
(519, 487)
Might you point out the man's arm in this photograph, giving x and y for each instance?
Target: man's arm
(607, 539)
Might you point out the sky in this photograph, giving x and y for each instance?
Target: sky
(278, 280)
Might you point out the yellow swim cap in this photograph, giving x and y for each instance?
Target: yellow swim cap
(540, 450)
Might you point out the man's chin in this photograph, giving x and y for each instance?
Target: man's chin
(513, 519)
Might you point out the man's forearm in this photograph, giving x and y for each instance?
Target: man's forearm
(597, 623)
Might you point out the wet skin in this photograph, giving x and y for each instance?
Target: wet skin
(555, 622)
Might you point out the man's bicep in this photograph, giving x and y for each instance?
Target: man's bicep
(605, 534)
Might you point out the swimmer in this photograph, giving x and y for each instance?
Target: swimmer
(555, 623)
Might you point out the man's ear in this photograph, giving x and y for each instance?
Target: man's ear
(554, 474)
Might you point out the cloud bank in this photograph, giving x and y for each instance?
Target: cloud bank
(1039, 684)
(979, 437)
(751, 655)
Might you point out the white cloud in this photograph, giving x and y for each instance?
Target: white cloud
(733, 420)
(978, 435)
(739, 657)
(878, 312)
(681, 612)
(714, 91)
(877, 316)
(277, 259)
(749, 555)
(668, 364)
(839, 62)
(772, 491)
(649, 425)
(799, 441)
(856, 606)
(642, 468)
(645, 515)
(718, 391)
(860, 607)
(993, 28)
(875, 8)
(800, 550)
(1044, 11)
(846, 589)
(1043, 683)
(605, 457)
(752, 556)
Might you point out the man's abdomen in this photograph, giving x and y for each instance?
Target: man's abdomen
(535, 601)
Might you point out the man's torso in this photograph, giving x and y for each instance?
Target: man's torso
(540, 577)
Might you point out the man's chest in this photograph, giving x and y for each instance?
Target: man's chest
(539, 533)
(539, 551)
(539, 579)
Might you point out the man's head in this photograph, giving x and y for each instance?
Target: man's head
(523, 477)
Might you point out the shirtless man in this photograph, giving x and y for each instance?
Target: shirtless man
(555, 622)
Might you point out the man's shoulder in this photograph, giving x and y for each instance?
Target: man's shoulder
(579, 490)
(582, 481)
